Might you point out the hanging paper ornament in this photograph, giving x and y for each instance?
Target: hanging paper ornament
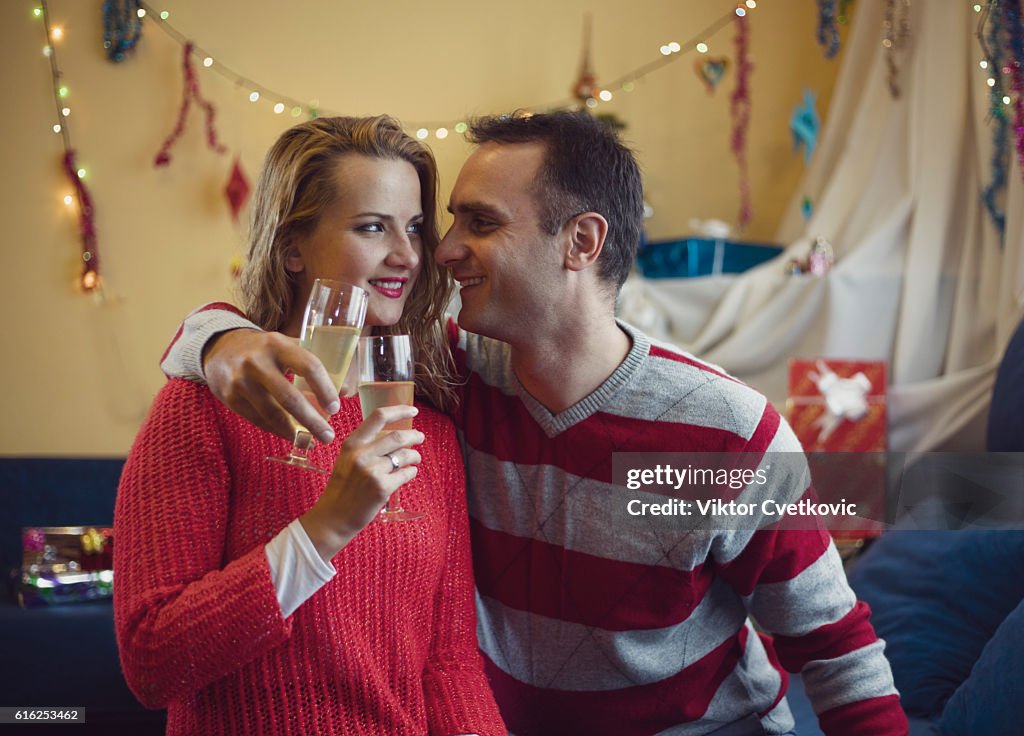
(804, 125)
(711, 71)
(237, 189)
(122, 27)
(739, 104)
(163, 156)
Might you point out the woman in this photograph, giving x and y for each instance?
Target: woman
(228, 608)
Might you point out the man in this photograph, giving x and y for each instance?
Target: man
(590, 624)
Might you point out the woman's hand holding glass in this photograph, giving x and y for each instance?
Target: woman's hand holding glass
(371, 466)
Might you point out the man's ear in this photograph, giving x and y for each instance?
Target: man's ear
(293, 259)
(586, 238)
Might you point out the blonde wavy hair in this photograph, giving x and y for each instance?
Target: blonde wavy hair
(296, 184)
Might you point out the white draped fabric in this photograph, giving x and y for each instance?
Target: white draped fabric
(921, 279)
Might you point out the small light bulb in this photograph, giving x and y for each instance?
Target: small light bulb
(422, 133)
(591, 102)
(628, 86)
(56, 128)
(296, 111)
(1006, 99)
(983, 64)
(65, 111)
(279, 108)
(81, 173)
(62, 92)
(674, 47)
(68, 199)
(441, 133)
(253, 96)
(47, 50)
(57, 33)
(37, 12)
(605, 95)
(702, 48)
(977, 8)
(751, 4)
(741, 12)
(141, 12)
(208, 62)
(665, 51)
(164, 15)
(991, 82)
(461, 127)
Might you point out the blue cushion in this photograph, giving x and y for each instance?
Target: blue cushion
(989, 701)
(937, 597)
(1006, 416)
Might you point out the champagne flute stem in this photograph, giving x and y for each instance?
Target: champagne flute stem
(393, 505)
(302, 444)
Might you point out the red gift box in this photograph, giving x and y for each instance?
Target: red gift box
(837, 407)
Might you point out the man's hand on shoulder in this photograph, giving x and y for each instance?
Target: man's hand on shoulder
(245, 369)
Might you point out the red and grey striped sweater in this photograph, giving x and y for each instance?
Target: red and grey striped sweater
(592, 625)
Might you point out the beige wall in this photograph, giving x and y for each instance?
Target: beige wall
(79, 375)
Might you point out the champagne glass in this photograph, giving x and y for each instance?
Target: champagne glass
(334, 316)
(386, 379)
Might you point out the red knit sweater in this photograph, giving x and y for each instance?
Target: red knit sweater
(388, 646)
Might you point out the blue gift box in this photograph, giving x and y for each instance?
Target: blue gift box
(690, 257)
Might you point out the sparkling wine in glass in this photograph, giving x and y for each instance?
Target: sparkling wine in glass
(386, 376)
(334, 317)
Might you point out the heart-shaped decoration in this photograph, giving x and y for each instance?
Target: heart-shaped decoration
(711, 70)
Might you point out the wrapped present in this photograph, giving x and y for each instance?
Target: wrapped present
(65, 564)
(838, 405)
(837, 408)
(691, 257)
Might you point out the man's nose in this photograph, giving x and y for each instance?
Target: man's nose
(449, 250)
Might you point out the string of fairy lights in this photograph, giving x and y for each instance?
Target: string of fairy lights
(999, 36)
(440, 129)
(127, 18)
(89, 276)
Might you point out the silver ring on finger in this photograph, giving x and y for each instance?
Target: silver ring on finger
(395, 465)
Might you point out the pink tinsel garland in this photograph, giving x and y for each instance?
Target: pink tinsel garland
(740, 109)
(163, 157)
(90, 278)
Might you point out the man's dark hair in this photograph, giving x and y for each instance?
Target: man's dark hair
(586, 169)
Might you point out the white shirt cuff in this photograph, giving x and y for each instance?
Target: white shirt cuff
(296, 568)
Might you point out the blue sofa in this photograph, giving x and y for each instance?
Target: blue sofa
(63, 655)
